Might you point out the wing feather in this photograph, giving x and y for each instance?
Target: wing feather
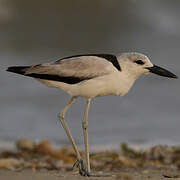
(85, 67)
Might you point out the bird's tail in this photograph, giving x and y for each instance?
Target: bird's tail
(18, 69)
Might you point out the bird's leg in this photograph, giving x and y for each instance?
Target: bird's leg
(79, 162)
(85, 131)
(61, 116)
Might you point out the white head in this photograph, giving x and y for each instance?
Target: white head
(137, 64)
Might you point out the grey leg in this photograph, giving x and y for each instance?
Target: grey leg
(61, 117)
(85, 131)
(79, 162)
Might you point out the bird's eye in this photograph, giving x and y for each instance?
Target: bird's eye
(139, 62)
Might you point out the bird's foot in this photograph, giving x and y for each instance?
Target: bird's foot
(80, 164)
(83, 172)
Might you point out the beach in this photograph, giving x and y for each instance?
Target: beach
(43, 161)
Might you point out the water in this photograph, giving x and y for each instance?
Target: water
(36, 33)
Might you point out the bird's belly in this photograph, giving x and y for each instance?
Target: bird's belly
(113, 84)
(101, 86)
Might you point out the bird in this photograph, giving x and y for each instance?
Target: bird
(90, 76)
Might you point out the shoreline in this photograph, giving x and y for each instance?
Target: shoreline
(11, 145)
(42, 160)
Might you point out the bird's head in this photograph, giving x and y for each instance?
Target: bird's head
(137, 64)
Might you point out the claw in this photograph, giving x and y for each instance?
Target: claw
(75, 164)
(82, 169)
(83, 172)
(80, 164)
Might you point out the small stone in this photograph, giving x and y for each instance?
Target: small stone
(171, 175)
(25, 144)
(44, 147)
(9, 163)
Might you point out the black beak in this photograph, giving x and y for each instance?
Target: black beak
(161, 72)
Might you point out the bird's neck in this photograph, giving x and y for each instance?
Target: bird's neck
(131, 73)
(132, 76)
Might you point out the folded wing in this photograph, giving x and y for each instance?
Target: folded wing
(71, 70)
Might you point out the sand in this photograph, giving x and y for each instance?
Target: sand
(128, 174)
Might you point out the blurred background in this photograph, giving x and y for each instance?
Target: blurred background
(33, 32)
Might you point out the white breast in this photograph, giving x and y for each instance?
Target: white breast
(117, 83)
(112, 84)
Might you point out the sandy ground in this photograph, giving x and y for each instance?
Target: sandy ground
(126, 174)
(41, 161)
